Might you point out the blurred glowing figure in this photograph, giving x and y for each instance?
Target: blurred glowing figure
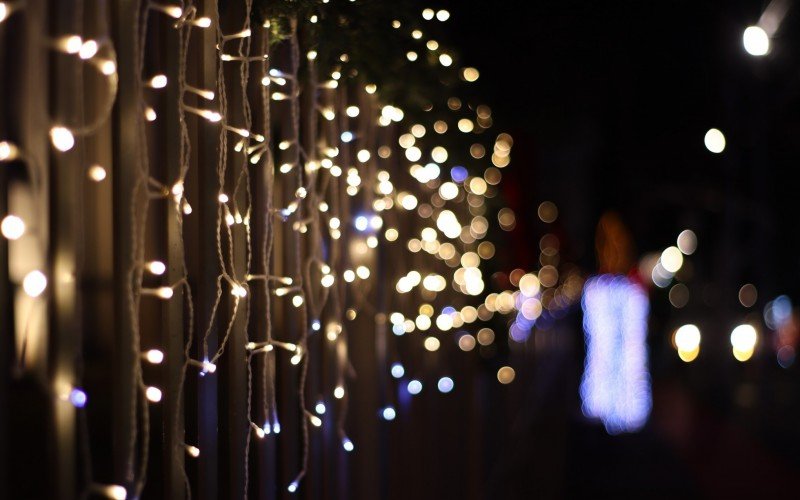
(615, 387)
(743, 340)
(714, 141)
(755, 41)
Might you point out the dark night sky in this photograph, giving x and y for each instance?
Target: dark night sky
(608, 104)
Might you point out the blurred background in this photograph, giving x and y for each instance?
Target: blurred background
(610, 106)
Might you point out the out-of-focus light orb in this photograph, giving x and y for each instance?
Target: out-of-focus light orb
(96, 173)
(347, 445)
(153, 394)
(448, 190)
(548, 212)
(748, 295)
(672, 259)
(743, 341)
(389, 413)
(432, 343)
(687, 242)
(443, 15)
(458, 174)
(12, 227)
(62, 138)
(714, 141)
(505, 375)
(347, 136)
(687, 342)
(427, 14)
(34, 283)
(470, 74)
(154, 356)
(485, 336)
(679, 295)
(414, 387)
(466, 342)
(786, 356)
(78, 398)
(445, 385)
(755, 41)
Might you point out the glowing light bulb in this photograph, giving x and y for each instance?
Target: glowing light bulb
(153, 394)
(108, 68)
(292, 487)
(347, 445)
(743, 341)
(12, 227)
(8, 151)
(338, 393)
(672, 259)
(62, 138)
(414, 387)
(154, 356)
(156, 267)
(165, 292)
(352, 111)
(239, 291)
(193, 451)
(115, 492)
(397, 370)
(158, 81)
(445, 384)
(388, 413)
(73, 44)
(34, 283)
(96, 173)
(4, 11)
(320, 408)
(315, 420)
(88, 49)
(714, 141)
(443, 15)
(78, 398)
(327, 280)
(755, 41)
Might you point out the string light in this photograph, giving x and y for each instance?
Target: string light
(34, 283)
(12, 227)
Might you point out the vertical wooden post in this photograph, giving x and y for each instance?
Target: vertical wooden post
(124, 175)
(173, 322)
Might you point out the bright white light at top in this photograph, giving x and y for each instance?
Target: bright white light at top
(755, 41)
(714, 141)
(615, 386)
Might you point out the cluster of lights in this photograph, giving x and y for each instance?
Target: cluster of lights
(450, 234)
